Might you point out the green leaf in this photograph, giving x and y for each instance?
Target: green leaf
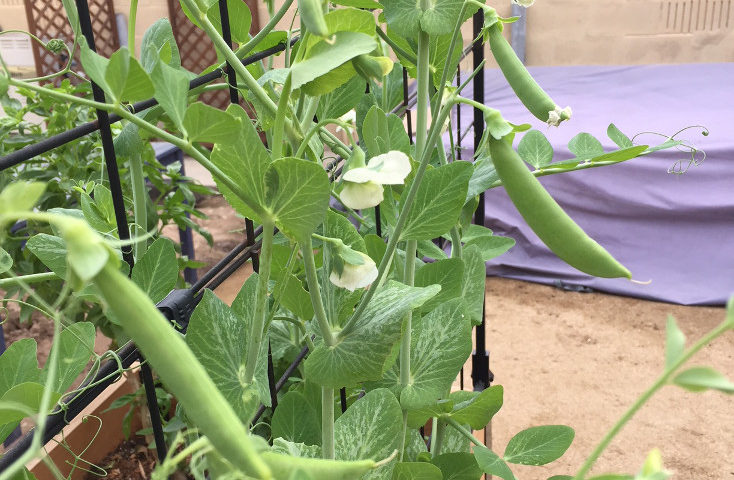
(458, 466)
(406, 16)
(171, 91)
(209, 124)
(297, 194)
(440, 344)
(438, 202)
(370, 429)
(621, 155)
(94, 65)
(535, 149)
(376, 331)
(539, 445)
(294, 297)
(240, 19)
(383, 133)
(491, 246)
(447, 273)
(619, 138)
(584, 145)
(345, 20)
(426, 248)
(473, 283)
(20, 196)
(440, 17)
(477, 411)
(416, 471)
(294, 449)
(18, 364)
(675, 342)
(6, 261)
(28, 394)
(414, 445)
(698, 379)
(218, 338)
(245, 162)
(76, 346)
(375, 247)
(296, 420)
(157, 272)
(50, 250)
(159, 43)
(483, 176)
(126, 79)
(492, 464)
(341, 100)
(329, 54)
(370, 4)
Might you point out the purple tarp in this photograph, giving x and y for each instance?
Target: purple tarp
(676, 230)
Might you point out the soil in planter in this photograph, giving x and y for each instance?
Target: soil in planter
(131, 460)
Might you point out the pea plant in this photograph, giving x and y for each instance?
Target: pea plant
(385, 313)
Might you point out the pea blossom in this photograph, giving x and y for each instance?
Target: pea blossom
(363, 184)
(355, 275)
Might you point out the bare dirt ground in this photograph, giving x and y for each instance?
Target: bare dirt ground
(581, 359)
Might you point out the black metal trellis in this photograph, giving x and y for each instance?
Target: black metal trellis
(179, 304)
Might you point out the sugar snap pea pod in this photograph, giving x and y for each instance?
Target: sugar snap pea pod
(317, 468)
(312, 17)
(547, 219)
(526, 88)
(179, 369)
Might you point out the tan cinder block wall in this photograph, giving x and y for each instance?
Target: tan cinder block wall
(12, 15)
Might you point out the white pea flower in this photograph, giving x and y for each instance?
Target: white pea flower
(524, 3)
(363, 184)
(355, 275)
(555, 117)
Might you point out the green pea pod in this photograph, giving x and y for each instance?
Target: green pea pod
(317, 468)
(312, 17)
(179, 369)
(526, 88)
(372, 68)
(547, 219)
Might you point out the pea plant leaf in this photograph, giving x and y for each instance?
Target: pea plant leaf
(490, 463)
(325, 56)
(50, 250)
(491, 246)
(619, 138)
(159, 44)
(19, 364)
(535, 149)
(20, 196)
(240, 19)
(218, 338)
(6, 261)
(483, 176)
(477, 410)
(171, 91)
(297, 195)
(584, 145)
(27, 394)
(126, 79)
(699, 379)
(377, 331)
(370, 428)
(76, 346)
(157, 271)
(416, 471)
(408, 17)
(296, 420)
(539, 445)
(209, 124)
(438, 202)
(346, 20)
(675, 342)
(441, 343)
(457, 466)
(473, 283)
(341, 100)
(94, 65)
(289, 290)
(447, 273)
(384, 133)
(369, 4)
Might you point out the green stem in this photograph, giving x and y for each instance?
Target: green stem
(312, 104)
(254, 41)
(137, 179)
(455, 243)
(440, 433)
(315, 291)
(409, 280)
(647, 394)
(336, 145)
(327, 423)
(276, 148)
(32, 278)
(397, 49)
(445, 73)
(319, 128)
(261, 299)
(423, 94)
(466, 433)
(131, 20)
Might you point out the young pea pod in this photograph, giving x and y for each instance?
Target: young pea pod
(372, 68)
(547, 219)
(179, 369)
(312, 17)
(526, 88)
(317, 468)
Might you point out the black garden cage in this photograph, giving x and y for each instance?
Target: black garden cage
(180, 303)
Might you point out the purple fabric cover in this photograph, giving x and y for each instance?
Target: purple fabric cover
(675, 230)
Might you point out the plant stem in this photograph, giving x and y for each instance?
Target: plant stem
(327, 423)
(254, 41)
(647, 394)
(32, 278)
(409, 280)
(455, 243)
(397, 49)
(315, 292)
(440, 434)
(131, 20)
(140, 213)
(261, 298)
(466, 433)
